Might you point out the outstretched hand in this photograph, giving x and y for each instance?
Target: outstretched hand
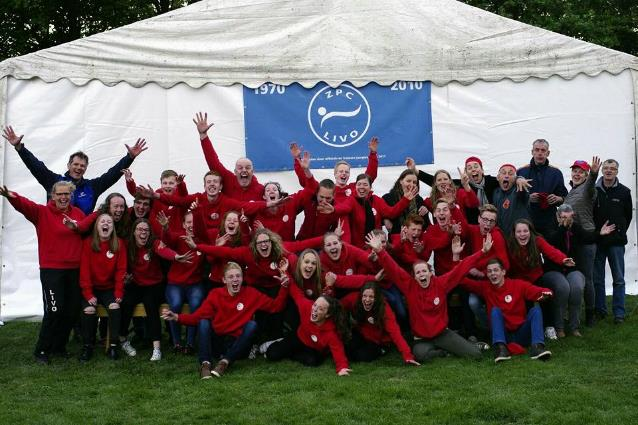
(374, 242)
(11, 136)
(201, 122)
(6, 192)
(169, 315)
(373, 144)
(137, 148)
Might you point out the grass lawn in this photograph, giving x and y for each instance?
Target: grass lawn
(591, 380)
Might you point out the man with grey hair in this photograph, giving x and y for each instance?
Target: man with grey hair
(547, 187)
(612, 216)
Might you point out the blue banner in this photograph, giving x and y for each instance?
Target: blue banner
(337, 123)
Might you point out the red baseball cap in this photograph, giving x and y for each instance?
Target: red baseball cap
(583, 165)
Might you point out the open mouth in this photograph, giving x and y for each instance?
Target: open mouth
(506, 184)
(313, 317)
(231, 228)
(334, 253)
(235, 287)
(367, 306)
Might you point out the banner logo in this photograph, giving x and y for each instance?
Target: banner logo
(339, 117)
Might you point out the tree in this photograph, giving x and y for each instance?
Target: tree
(609, 23)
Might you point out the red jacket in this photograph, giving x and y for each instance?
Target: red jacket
(389, 333)
(254, 191)
(427, 307)
(519, 267)
(146, 269)
(175, 215)
(58, 246)
(353, 260)
(510, 298)
(318, 337)
(229, 313)
(499, 246)
(439, 241)
(183, 273)
(102, 270)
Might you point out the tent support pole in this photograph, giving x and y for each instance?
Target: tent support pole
(3, 122)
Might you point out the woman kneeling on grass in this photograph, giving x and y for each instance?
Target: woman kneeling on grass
(376, 326)
(225, 319)
(426, 296)
(102, 272)
(323, 326)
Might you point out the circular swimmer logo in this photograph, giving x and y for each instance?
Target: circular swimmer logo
(339, 117)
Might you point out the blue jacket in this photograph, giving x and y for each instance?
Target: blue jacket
(545, 179)
(86, 190)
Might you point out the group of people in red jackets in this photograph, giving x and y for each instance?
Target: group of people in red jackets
(350, 281)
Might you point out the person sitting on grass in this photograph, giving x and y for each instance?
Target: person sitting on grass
(426, 296)
(102, 271)
(225, 320)
(376, 326)
(510, 320)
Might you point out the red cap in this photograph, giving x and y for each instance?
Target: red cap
(507, 165)
(474, 159)
(583, 165)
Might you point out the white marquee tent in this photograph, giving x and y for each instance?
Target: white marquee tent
(498, 85)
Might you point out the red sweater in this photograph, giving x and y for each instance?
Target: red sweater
(58, 246)
(102, 270)
(259, 271)
(175, 215)
(310, 290)
(499, 246)
(230, 313)
(282, 219)
(357, 215)
(318, 337)
(146, 269)
(510, 298)
(254, 191)
(183, 273)
(352, 260)
(427, 307)
(439, 241)
(519, 266)
(389, 333)
(464, 200)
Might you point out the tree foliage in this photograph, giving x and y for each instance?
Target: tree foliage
(609, 23)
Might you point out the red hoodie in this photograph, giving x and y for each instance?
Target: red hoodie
(519, 266)
(230, 313)
(388, 333)
(352, 260)
(58, 246)
(254, 191)
(509, 297)
(102, 270)
(427, 307)
(499, 246)
(175, 215)
(318, 337)
(183, 273)
(146, 269)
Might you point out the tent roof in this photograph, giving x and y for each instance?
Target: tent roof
(307, 41)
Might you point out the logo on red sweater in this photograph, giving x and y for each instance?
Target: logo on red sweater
(240, 306)
(285, 218)
(314, 338)
(109, 255)
(348, 192)
(147, 257)
(508, 298)
(437, 301)
(371, 320)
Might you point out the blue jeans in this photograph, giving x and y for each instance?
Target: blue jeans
(175, 296)
(224, 346)
(477, 305)
(530, 331)
(394, 298)
(616, 256)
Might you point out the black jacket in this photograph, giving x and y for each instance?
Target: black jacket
(613, 204)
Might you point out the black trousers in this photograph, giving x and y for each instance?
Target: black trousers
(61, 300)
(360, 349)
(152, 297)
(292, 348)
(89, 321)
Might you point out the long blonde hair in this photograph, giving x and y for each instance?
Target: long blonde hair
(114, 244)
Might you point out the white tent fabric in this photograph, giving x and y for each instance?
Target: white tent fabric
(306, 41)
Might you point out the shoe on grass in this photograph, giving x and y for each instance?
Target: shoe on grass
(550, 333)
(619, 320)
(42, 357)
(128, 349)
(539, 352)
(501, 353)
(157, 355)
(204, 371)
(86, 353)
(112, 353)
(560, 333)
(220, 368)
(577, 333)
(264, 347)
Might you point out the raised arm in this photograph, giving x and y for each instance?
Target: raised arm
(214, 164)
(373, 159)
(105, 181)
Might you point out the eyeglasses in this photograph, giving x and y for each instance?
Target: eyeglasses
(488, 220)
(265, 241)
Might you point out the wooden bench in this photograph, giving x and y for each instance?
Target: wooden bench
(138, 311)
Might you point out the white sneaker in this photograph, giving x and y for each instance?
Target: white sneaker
(128, 349)
(157, 355)
(550, 333)
(264, 347)
(253, 352)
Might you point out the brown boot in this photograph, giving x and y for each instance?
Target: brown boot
(220, 368)
(204, 371)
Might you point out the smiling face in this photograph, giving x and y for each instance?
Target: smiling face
(506, 177)
(105, 227)
(540, 152)
(578, 176)
(77, 167)
(319, 311)
(474, 171)
(271, 192)
(362, 188)
(61, 196)
(408, 183)
(415, 231)
(117, 206)
(342, 174)
(142, 233)
(495, 274)
(141, 207)
(487, 222)
(610, 171)
(522, 234)
(264, 245)
(443, 214)
(332, 246)
(169, 184)
(231, 223)
(422, 274)
(212, 186)
(233, 278)
(367, 299)
(244, 171)
(308, 265)
(442, 181)
(187, 224)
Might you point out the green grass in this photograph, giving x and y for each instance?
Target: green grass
(588, 381)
